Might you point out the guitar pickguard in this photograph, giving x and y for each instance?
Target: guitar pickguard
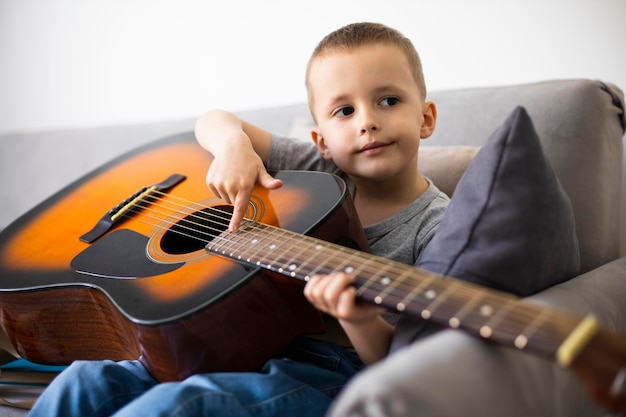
(120, 254)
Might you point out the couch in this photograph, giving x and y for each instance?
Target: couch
(581, 126)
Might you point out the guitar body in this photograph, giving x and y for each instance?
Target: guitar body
(146, 288)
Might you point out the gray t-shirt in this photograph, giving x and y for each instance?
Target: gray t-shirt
(401, 237)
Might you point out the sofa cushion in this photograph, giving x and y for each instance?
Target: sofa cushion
(510, 225)
(445, 165)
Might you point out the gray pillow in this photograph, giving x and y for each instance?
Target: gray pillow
(510, 225)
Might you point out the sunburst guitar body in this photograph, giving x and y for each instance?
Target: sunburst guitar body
(114, 266)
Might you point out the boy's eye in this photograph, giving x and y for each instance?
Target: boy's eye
(344, 111)
(389, 101)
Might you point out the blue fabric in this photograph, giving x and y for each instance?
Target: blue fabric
(22, 365)
(303, 382)
(509, 225)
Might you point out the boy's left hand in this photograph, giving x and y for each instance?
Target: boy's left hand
(335, 294)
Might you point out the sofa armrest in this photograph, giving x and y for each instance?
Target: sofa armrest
(453, 374)
(600, 292)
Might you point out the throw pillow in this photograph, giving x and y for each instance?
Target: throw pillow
(509, 225)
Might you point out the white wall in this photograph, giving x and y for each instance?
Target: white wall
(74, 63)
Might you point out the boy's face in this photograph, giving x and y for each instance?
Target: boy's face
(369, 111)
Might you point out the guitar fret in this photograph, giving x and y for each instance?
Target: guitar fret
(311, 257)
(486, 330)
(344, 265)
(388, 285)
(311, 265)
(289, 262)
(467, 303)
(438, 298)
(524, 336)
(411, 300)
(433, 295)
(264, 244)
(477, 311)
(365, 262)
(366, 286)
(223, 244)
(236, 243)
(320, 262)
(548, 329)
(322, 267)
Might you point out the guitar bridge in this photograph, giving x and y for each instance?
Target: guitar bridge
(116, 213)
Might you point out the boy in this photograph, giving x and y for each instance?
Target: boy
(367, 96)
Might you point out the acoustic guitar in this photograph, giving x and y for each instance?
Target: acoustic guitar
(135, 261)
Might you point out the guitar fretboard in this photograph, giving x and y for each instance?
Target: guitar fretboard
(493, 315)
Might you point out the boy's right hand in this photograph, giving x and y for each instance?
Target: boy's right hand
(233, 175)
(238, 149)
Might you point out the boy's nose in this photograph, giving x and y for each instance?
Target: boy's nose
(372, 128)
(369, 122)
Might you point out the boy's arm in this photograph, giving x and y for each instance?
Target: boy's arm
(371, 339)
(368, 331)
(239, 151)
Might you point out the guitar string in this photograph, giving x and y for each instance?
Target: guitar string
(223, 215)
(409, 288)
(214, 232)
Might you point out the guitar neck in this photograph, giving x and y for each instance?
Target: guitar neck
(490, 314)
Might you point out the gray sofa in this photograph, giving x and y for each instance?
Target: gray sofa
(581, 126)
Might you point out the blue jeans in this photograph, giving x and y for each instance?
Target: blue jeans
(303, 382)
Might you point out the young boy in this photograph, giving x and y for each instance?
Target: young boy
(367, 96)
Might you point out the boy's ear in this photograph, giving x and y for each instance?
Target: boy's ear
(318, 139)
(429, 119)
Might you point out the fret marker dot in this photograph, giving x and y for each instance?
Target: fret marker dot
(349, 270)
(486, 310)
(378, 300)
(454, 322)
(521, 341)
(254, 241)
(430, 294)
(425, 314)
(385, 281)
(292, 267)
(400, 306)
(486, 332)
(272, 246)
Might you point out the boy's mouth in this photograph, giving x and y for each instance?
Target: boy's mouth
(373, 147)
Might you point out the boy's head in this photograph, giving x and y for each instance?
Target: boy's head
(367, 98)
(357, 35)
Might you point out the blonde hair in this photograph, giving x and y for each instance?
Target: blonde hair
(355, 35)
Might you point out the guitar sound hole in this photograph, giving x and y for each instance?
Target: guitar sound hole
(194, 231)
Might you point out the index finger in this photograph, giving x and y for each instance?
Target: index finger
(240, 205)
